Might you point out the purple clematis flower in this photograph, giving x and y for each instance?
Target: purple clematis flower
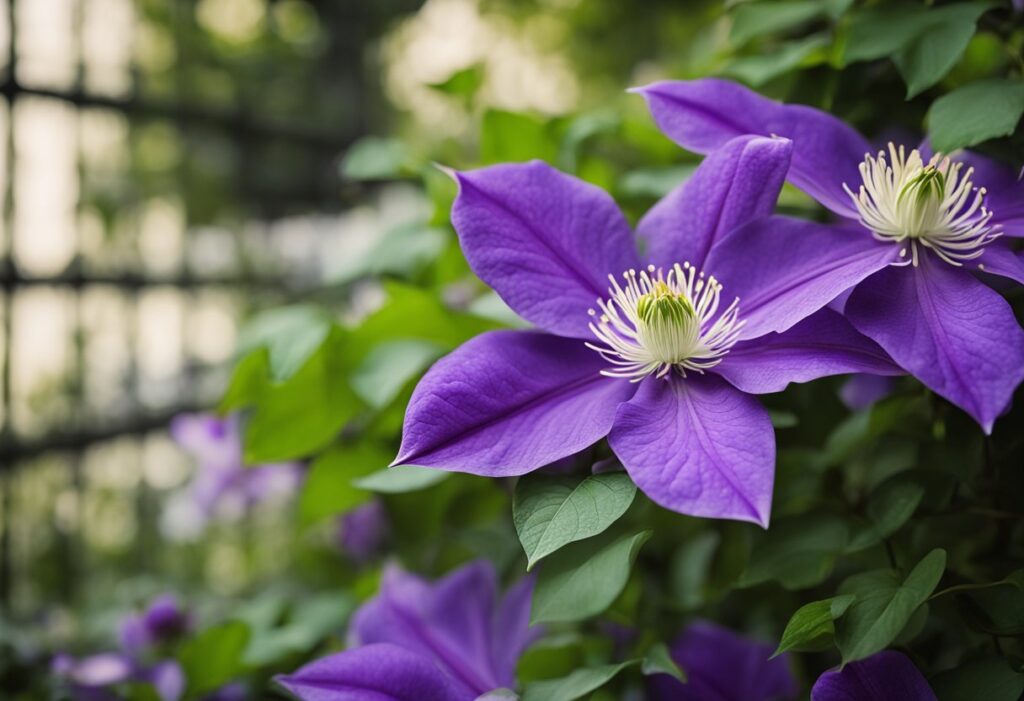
(223, 484)
(96, 677)
(165, 620)
(885, 676)
(363, 531)
(723, 666)
(653, 353)
(938, 219)
(452, 640)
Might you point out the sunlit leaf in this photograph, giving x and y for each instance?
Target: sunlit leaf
(550, 512)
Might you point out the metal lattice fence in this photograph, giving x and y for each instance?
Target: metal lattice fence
(150, 151)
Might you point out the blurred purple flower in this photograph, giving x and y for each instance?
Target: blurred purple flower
(97, 677)
(862, 391)
(885, 676)
(450, 640)
(652, 361)
(223, 485)
(363, 531)
(938, 221)
(163, 621)
(723, 666)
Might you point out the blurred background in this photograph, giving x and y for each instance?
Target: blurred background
(171, 168)
(168, 166)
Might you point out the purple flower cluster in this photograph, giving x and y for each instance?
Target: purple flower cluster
(142, 635)
(661, 351)
(223, 485)
(456, 640)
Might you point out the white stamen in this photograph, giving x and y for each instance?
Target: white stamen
(657, 322)
(933, 205)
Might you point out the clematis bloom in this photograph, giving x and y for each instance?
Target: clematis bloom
(164, 620)
(885, 676)
(451, 640)
(657, 353)
(940, 220)
(723, 666)
(224, 486)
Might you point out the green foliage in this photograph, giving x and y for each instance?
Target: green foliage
(584, 579)
(400, 479)
(577, 685)
(550, 512)
(329, 488)
(975, 113)
(989, 678)
(214, 657)
(812, 627)
(883, 605)
(658, 660)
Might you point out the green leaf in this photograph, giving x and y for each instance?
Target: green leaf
(583, 579)
(758, 18)
(884, 605)
(658, 660)
(401, 478)
(389, 367)
(576, 685)
(462, 83)
(375, 158)
(653, 182)
(404, 251)
(798, 552)
(329, 489)
(214, 657)
(411, 312)
(513, 136)
(997, 609)
(812, 627)
(927, 59)
(499, 695)
(893, 504)
(300, 417)
(690, 569)
(758, 70)
(975, 113)
(312, 620)
(550, 512)
(878, 32)
(991, 679)
(290, 335)
(249, 378)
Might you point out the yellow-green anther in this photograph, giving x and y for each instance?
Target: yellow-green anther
(929, 184)
(664, 305)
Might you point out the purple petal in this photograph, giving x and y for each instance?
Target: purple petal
(166, 619)
(734, 184)
(508, 402)
(512, 633)
(363, 530)
(698, 446)
(103, 669)
(450, 622)
(885, 676)
(701, 115)
(167, 679)
(1000, 259)
(723, 666)
(545, 241)
(372, 673)
(783, 270)
(822, 344)
(862, 391)
(213, 441)
(947, 329)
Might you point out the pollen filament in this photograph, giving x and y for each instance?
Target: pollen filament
(935, 205)
(655, 322)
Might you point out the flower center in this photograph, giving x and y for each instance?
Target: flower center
(658, 321)
(935, 205)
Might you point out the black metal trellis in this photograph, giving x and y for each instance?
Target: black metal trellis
(349, 26)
